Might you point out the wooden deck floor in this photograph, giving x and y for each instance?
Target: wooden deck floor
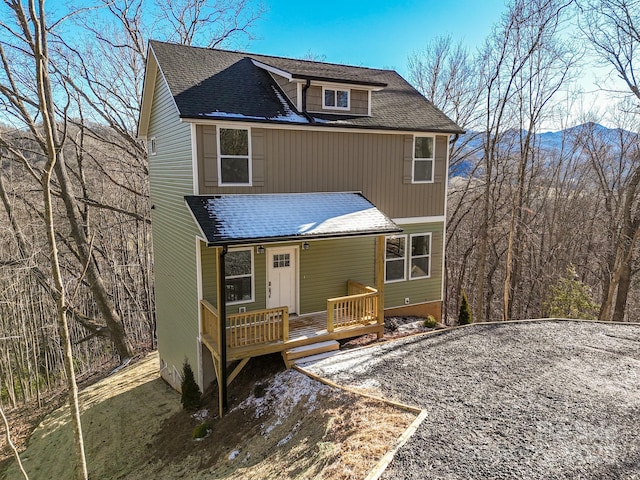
(308, 326)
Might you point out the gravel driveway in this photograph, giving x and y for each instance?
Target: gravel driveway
(532, 400)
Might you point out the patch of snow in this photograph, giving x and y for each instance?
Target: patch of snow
(273, 215)
(234, 454)
(284, 393)
(200, 415)
(285, 439)
(270, 428)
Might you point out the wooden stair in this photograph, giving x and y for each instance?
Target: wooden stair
(309, 353)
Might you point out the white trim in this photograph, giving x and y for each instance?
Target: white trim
(194, 158)
(340, 85)
(416, 220)
(314, 127)
(275, 249)
(195, 220)
(253, 276)
(249, 158)
(425, 159)
(335, 97)
(369, 103)
(299, 97)
(444, 227)
(271, 69)
(404, 270)
(429, 256)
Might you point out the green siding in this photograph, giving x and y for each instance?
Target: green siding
(421, 290)
(328, 264)
(174, 232)
(323, 272)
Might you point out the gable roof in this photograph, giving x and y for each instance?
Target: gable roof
(221, 84)
(246, 219)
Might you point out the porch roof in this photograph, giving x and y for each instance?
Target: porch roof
(246, 219)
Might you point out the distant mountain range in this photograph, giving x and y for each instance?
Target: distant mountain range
(550, 142)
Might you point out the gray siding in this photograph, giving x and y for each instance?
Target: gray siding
(290, 89)
(174, 231)
(359, 101)
(316, 161)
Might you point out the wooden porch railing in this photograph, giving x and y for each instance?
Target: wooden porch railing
(244, 329)
(210, 322)
(259, 326)
(353, 309)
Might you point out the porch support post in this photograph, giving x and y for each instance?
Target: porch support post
(222, 314)
(380, 247)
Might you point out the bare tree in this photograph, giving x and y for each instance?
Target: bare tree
(613, 30)
(32, 26)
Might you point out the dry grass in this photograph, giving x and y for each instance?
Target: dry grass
(135, 429)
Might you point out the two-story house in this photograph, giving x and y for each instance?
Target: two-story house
(293, 202)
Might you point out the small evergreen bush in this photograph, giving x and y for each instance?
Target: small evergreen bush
(430, 322)
(259, 390)
(464, 317)
(190, 391)
(201, 430)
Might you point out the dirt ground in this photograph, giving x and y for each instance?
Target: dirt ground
(296, 428)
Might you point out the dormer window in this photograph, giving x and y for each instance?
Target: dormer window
(335, 99)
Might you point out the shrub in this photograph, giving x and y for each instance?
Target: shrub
(190, 391)
(570, 298)
(201, 430)
(259, 390)
(430, 322)
(464, 317)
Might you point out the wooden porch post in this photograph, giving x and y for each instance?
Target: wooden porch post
(380, 247)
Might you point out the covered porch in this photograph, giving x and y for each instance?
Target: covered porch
(267, 331)
(286, 256)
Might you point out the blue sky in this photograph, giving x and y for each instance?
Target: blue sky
(379, 34)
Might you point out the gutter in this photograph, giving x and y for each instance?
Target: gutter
(305, 87)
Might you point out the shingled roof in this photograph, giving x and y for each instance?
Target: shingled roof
(222, 84)
(243, 219)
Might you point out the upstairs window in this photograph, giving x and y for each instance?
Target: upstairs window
(423, 159)
(239, 276)
(234, 156)
(335, 99)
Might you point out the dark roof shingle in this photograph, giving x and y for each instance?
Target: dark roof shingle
(245, 219)
(211, 83)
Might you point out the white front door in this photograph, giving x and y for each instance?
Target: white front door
(282, 278)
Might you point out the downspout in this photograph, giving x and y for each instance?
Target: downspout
(223, 329)
(305, 87)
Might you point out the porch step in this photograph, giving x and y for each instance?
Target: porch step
(307, 351)
(313, 358)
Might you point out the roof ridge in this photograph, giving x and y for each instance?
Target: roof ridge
(249, 54)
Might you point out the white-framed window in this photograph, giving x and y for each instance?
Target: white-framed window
(234, 156)
(152, 146)
(395, 258)
(239, 276)
(336, 99)
(420, 264)
(423, 158)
